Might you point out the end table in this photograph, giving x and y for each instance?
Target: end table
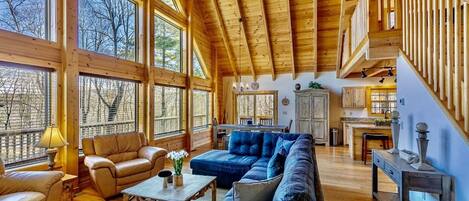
(70, 186)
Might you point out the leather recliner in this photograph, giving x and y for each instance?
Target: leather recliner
(30, 185)
(119, 161)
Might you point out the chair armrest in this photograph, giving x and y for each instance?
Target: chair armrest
(151, 153)
(36, 181)
(96, 162)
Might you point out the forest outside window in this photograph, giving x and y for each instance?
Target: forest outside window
(201, 109)
(107, 106)
(168, 110)
(258, 107)
(28, 17)
(25, 111)
(171, 3)
(168, 45)
(108, 27)
(198, 71)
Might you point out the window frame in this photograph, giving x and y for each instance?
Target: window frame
(182, 49)
(208, 109)
(274, 93)
(369, 102)
(136, 106)
(181, 114)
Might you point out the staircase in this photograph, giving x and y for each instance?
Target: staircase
(436, 43)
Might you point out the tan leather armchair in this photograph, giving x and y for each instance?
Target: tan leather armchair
(30, 185)
(119, 161)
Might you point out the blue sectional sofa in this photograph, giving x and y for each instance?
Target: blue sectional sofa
(247, 158)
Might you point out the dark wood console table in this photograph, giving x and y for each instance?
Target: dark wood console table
(407, 178)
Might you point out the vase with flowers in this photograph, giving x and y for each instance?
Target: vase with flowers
(177, 157)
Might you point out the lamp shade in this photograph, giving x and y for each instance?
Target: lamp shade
(52, 138)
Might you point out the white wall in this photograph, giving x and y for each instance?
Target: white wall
(446, 149)
(285, 86)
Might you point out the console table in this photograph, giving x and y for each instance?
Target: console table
(407, 178)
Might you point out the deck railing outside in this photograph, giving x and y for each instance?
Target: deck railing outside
(18, 145)
(436, 41)
(167, 125)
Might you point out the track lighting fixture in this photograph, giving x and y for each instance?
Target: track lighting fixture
(390, 73)
(364, 75)
(381, 80)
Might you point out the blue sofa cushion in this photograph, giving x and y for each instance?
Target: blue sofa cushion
(262, 162)
(245, 143)
(256, 173)
(276, 164)
(270, 142)
(227, 167)
(298, 178)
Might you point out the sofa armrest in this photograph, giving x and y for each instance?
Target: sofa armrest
(36, 181)
(94, 162)
(151, 153)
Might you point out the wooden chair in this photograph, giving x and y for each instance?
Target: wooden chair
(266, 121)
(288, 129)
(373, 136)
(220, 133)
(244, 120)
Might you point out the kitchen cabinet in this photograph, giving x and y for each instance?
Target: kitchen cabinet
(354, 97)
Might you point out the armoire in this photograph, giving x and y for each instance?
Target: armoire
(312, 113)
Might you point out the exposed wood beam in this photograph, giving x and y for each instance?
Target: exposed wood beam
(376, 71)
(267, 38)
(245, 41)
(292, 42)
(224, 35)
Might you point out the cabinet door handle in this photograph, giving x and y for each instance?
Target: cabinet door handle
(391, 172)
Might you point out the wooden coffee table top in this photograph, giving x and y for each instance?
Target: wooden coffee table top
(153, 188)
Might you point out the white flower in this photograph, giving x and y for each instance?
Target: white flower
(176, 155)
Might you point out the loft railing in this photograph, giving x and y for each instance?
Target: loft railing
(436, 41)
(18, 145)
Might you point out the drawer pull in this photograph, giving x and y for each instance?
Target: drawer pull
(391, 172)
(377, 160)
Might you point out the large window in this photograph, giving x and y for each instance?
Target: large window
(29, 17)
(108, 27)
(107, 106)
(382, 100)
(24, 112)
(201, 107)
(258, 107)
(168, 51)
(168, 111)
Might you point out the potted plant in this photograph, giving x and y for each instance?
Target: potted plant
(177, 157)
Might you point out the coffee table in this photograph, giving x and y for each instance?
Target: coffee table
(194, 187)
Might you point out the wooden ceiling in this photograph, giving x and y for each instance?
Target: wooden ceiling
(286, 32)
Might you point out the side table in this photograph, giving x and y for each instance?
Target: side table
(70, 186)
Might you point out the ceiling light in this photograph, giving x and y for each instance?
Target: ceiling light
(381, 80)
(390, 73)
(364, 75)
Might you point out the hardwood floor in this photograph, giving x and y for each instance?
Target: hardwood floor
(341, 177)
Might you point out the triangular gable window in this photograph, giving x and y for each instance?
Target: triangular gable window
(197, 67)
(171, 4)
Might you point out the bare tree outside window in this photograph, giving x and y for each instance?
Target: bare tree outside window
(24, 112)
(255, 107)
(27, 17)
(201, 103)
(168, 107)
(168, 49)
(108, 27)
(107, 106)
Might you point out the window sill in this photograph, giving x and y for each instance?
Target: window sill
(41, 165)
(164, 137)
(200, 130)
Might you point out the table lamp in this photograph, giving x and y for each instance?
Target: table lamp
(51, 140)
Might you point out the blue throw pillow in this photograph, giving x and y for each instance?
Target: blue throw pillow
(283, 144)
(276, 164)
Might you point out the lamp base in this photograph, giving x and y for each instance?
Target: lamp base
(51, 156)
(422, 167)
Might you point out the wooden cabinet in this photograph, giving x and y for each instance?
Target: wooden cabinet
(353, 97)
(312, 113)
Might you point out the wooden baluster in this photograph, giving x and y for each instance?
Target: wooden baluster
(411, 30)
(415, 31)
(419, 35)
(435, 46)
(442, 58)
(423, 9)
(430, 41)
(405, 19)
(457, 60)
(466, 64)
(449, 53)
(388, 15)
(397, 13)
